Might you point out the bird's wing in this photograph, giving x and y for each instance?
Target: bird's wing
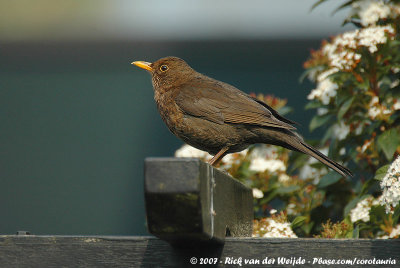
(221, 103)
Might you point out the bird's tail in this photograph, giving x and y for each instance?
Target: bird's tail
(308, 149)
(293, 141)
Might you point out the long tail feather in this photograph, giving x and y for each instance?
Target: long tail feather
(308, 149)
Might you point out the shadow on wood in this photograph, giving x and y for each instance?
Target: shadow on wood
(190, 202)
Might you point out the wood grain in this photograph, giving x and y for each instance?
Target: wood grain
(133, 251)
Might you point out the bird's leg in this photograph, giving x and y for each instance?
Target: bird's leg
(218, 156)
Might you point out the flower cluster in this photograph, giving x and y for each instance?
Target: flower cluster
(390, 185)
(357, 102)
(191, 152)
(370, 12)
(335, 230)
(362, 210)
(343, 54)
(395, 233)
(326, 89)
(276, 226)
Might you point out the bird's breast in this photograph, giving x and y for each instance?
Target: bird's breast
(169, 111)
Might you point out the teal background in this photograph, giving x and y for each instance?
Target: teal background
(77, 121)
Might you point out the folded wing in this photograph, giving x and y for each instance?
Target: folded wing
(221, 103)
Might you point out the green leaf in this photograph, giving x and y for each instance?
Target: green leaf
(388, 142)
(348, 3)
(381, 172)
(366, 186)
(396, 215)
(312, 105)
(287, 190)
(285, 110)
(328, 134)
(356, 232)
(298, 221)
(345, 107)
(298, 162)
(307, 227)
(395, 42)
(317, 4)
(329, 179)
(342, 96)
(318, 121)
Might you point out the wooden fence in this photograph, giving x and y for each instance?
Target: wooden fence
(201, 217)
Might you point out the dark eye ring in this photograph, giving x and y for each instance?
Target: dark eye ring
(163, 68)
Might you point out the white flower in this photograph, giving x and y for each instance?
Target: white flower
(374, 100)
(324, 75)
(390, 185)
(342, 151)
(290, 209)
(233, 158)
(273, 211)
(370, 11)
(272, 165)
(264, 151)
(395, 9)
(341, 51)
(369, 38)
(372, 36)
(341, 130)
(395, 232)
(386, 111)
(377, 201)
(377, 109)
(189, 151)
(361, 211)
(395, 83)
(307, 171)
(396, 106)
(359, 129)
(278, 229)
(283, 178)
(325, 90)
(312, 75)
(365, 146)
(373, 112)
(257, 193)
(322, 111)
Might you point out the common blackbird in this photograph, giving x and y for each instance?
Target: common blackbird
(216, 117)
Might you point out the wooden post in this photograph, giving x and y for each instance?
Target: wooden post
(190, 202)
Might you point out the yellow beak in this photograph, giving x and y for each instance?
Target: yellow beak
(143, 64)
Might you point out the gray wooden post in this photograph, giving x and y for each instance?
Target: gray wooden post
(189, 201)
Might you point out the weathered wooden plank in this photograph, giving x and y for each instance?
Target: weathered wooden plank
(109, 251)
(188, 201)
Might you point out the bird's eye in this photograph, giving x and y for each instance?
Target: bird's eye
(163, 68)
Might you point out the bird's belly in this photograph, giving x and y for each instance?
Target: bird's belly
(203, 134)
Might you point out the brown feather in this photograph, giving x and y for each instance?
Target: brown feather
(212, 101)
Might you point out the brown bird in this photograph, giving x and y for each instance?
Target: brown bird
(216, 117)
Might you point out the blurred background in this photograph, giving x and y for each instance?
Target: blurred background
(77, 119)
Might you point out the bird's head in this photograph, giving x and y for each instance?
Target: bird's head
(167, 72)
